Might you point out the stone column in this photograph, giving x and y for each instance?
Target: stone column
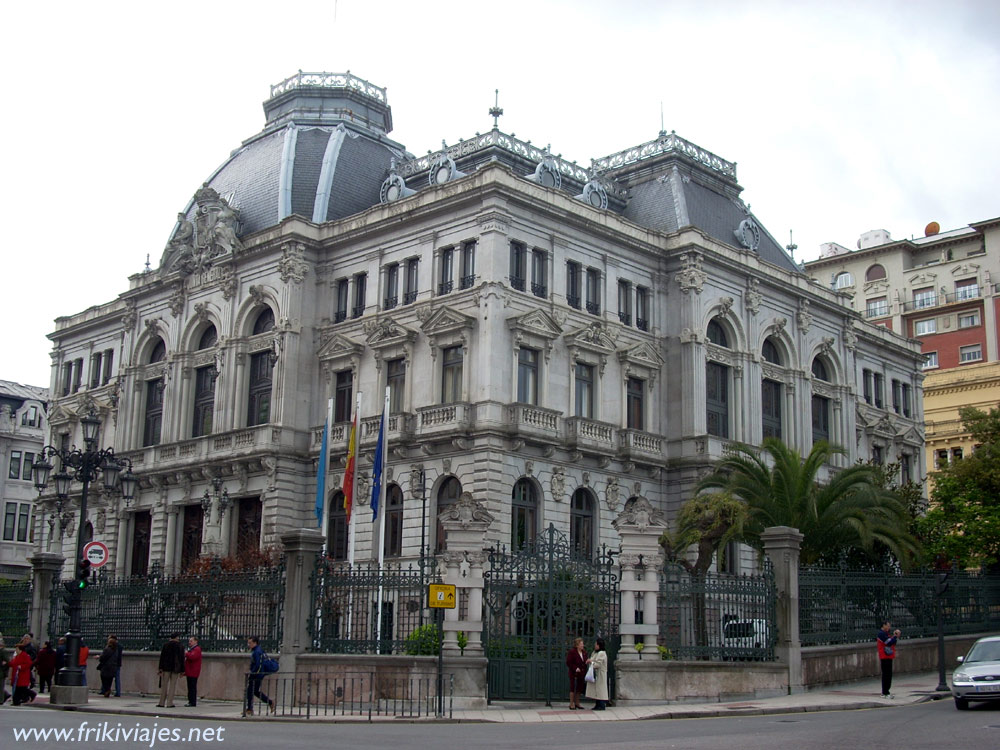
(782, 545)
(639, 525)
(302, 547)
(45, 567)
(170, 548)
(465, 523)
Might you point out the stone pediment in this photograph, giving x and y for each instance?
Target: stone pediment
(446, 320)
(965, 269)
(924, 277)
(877, 286)
(594, 337)
(884, 426)
(642, 354)
(911, 435)
(385, 332)
(536, 322)
(59, 414)
(338, 346)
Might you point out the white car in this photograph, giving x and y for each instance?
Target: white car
(978, 677)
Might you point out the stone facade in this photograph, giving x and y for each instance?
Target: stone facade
(558, 341)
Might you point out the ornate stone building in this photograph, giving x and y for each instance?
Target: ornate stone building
(940, 290)
(556, 339)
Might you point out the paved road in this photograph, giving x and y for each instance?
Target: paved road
(929, 726)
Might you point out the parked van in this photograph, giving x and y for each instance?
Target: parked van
(747, 636)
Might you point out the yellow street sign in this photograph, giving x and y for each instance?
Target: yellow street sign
(441, 595)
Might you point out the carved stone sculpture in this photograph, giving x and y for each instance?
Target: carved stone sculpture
(466, 510)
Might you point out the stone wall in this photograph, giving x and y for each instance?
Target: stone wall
(658, 681)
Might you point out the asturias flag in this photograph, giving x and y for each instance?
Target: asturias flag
(352, 454)
(377, 468)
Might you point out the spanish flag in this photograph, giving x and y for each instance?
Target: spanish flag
(352, 455)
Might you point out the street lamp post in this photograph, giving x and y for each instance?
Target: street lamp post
(84, 466)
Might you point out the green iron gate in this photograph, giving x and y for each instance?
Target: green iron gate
(537, 600)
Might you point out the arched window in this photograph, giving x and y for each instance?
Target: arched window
(392, 545)
(208, 339)
(261, 373)
(336, 535)
(843, 280)
(448, 494)
(874, 273)
(819, 370)
(717, 386)
(523, 514)
(153, 420)
(770, 394)
(581, 526)
(820, 404)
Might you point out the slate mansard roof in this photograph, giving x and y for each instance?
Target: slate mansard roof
(325, 154)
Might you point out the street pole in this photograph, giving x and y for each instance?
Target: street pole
(440, 675)
(72, 674)
(942, 589)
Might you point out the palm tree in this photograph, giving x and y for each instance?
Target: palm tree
(781, 488)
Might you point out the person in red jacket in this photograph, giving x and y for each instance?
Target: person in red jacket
(20, 676)
(192, 669)
(885, 641)
(84, 655)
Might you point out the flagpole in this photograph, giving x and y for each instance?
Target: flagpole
(350, 519)
(324, 463)
(378, 493)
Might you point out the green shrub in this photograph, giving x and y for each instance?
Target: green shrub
(424, 641)
(664, 653)
(463, 640)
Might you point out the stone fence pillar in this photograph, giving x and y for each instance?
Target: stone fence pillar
(782, 545)
(45, 567)
(465, 524)
(639, 526)
(302, 547)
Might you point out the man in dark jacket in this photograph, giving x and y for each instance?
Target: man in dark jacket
(255, 677)
(171, 668)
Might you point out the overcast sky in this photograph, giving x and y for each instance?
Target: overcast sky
(842, 116)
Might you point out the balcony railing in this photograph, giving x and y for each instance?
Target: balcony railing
(590, 433)
(635, 441)
(219, 446)
(540, 290)
(528, 419)
(467, 281)
(516, 282)
(964, 294)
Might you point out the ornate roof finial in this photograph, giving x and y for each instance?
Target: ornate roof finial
(791, 247)
(147, 269)
(495, 110)
(663, 129)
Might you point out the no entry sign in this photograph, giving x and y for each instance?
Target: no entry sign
(97, 553)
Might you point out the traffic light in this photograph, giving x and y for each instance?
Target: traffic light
(942, 582)
(68, 595)
(82, 573)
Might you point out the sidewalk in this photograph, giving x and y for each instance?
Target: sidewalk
(907, 689)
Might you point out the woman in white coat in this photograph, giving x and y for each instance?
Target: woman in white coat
(598, 689)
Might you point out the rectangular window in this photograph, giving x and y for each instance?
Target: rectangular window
(941, 458)
(30, 417)
(877, 455)
(879, 388)
(770, 393)
(931, 361)
(14, 471)
(820, 418)
(95, 369)
(445, 279)
(717, 399)
(29, 460)
(968, 320)
(343, 396)
(527, 376)
(67, 378)
(412, 280)
(395, 378)
(967, 289)
(204, 400)
(154, 412)
(517, 265)
(907, 400)
(77, 374)
(923, 298)
(593, 291)
(109, 358)
(924, 327)
(468, 265)
(584, 380)
(573, 284)
(451, 375)
(877, 307)
(867, 387)
(539, 274)
(360, 282)
(897, 396)
(625, 302)
(642, 308)
(635, 403)
(391, 298)
(9, 521)
(23, 515)
(972, 353)
(259, 395)
(343, 290)
(905, 473)
(956, 454)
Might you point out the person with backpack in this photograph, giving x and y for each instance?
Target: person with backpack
(171, 668)
(256, 676)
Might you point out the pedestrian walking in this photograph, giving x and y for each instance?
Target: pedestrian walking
(598, 689)
(84, 655)
(256, 677)
(192, 669)
(45, 665)
(28, 639)
(885, 642)
(107, 665)
(4, 668)
(61, 654)
(20, 680)
(171, 668)
(118, 672)
(576, 664)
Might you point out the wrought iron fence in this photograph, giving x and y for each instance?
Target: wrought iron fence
(15, 608)
(221, 607)
(843, 605)
(373, 693)
(717, 616)
(345, 607)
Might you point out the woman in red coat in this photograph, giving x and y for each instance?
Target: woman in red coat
(192, 669)
(20, 676)
(576, 663)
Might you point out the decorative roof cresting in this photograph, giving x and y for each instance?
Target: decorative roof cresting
(329, 80)
(665, 144)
